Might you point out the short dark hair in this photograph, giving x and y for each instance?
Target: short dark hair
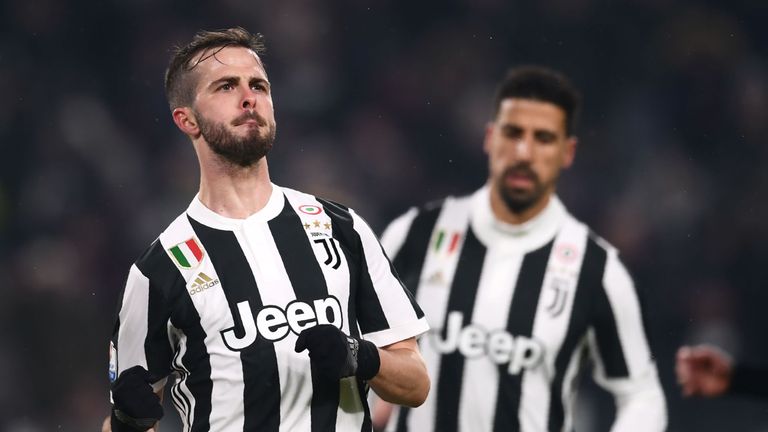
(179, 85)
(540, 84)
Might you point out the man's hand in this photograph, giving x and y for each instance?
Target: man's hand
(338, 355)
(137, 407)
(703, 370)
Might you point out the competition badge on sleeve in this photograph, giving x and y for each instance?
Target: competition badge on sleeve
(187, 254)
(315, 222)
(112, 362)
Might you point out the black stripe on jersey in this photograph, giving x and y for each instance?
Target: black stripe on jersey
(643, 298)
(409, 260)
(590, 281)
(309, 284)
(607, 336)
(344, 231)
(411, 296)
(199, 383)
(116, 327)
(366, 298)
(522, 313)
(115, 334)
(299, 260)
(179, 398)
(163, 275)
(261, 398)
(461, 299)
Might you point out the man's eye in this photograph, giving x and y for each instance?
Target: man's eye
(513, 133)
(225, 87)
(545, 137)
(259, 87)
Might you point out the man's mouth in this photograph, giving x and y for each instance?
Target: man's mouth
(519, 178)
(249, 119)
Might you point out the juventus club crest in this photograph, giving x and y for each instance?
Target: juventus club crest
(333, 257)
(559, 289)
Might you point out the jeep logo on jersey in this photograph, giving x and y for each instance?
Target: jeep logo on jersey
(501, 347)
(274, 323)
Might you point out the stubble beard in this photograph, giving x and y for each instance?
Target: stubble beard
(519, 200)
(242, 151)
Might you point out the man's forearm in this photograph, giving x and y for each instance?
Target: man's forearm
(402, 377)
(641, 411)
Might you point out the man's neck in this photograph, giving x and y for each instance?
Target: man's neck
(503, 213)
(233, 191)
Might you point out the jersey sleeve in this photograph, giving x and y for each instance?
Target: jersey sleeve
(394, 235)
(387, 312)
(140, 335)
(624, 364)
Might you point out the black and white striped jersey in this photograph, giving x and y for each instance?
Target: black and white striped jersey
(513, 309)
(217, 303)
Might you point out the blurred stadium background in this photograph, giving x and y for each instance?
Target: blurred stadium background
(381, 105)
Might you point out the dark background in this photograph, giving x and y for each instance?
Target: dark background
(381, 105)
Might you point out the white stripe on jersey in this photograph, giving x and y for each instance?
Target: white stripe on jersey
(568, 393)
(397, 309)
(337, 279)
(496, 288)
(394, 236)
(623, 297)
(350, 412)
(213, 309)
(269, 271)
(432, 296)
(181, 394)
(134, 309)
(553, 314)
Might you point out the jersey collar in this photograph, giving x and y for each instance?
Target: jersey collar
(199, 212)
(530, 235)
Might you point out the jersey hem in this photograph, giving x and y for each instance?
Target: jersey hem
(391, 335)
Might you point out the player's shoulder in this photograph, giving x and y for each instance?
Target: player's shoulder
(593, 238)
(308, 203)
(423, 217)
(156, 256)
(436, 206)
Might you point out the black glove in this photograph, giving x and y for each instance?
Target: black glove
(137, 407)
(338, 355)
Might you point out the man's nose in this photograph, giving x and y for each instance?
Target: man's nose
(523, 149)
(249, 98)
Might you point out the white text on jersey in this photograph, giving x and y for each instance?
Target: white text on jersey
(501, 347)
(274, 323)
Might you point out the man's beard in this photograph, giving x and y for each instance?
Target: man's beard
(520, 200)
(242, 151)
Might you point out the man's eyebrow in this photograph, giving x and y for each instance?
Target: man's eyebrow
(225, 80)
(259, 80)
(545, 131)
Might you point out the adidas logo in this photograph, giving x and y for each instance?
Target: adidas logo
(202, 282)
(436, 278)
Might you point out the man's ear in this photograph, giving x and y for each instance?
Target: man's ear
(185, 120)
(570, 151)
(487, 137)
